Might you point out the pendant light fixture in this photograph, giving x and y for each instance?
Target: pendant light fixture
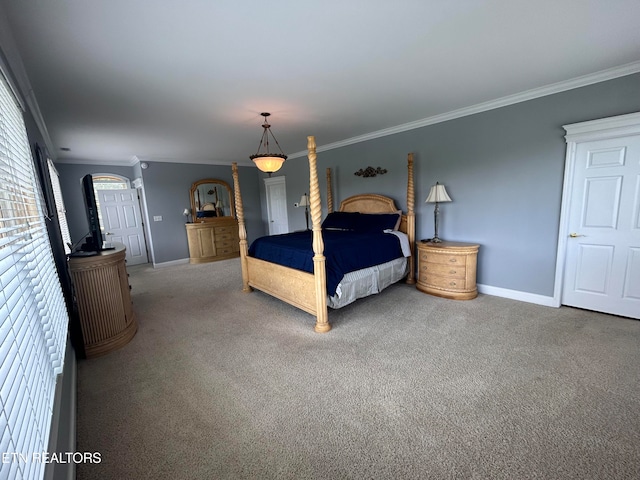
(266, 161)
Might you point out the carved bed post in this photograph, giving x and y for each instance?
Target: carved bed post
(411, 221)
(242, 231)
(329, 192)
(319, 271)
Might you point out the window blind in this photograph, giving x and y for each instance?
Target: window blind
(33, 316)
(62, 212)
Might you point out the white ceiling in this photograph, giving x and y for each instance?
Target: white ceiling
(186, 80)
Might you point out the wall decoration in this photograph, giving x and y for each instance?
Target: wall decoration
(370, 172)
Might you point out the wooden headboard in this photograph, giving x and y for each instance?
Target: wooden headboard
(372, 203)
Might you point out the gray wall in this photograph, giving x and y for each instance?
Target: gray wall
(166, 187)
(503, 169)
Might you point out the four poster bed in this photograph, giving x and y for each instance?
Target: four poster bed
(356, 251)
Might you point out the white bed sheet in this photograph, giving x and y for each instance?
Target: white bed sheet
(367, 281)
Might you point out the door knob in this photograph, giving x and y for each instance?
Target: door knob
(576, 235)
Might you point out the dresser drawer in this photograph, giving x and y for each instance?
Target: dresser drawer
(226, 250)
(227, 230)
(226, 237)
(225, 244)
(454, 271)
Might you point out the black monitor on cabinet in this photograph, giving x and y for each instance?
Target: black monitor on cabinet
(94, 241)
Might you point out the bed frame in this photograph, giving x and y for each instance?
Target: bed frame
(304, 290)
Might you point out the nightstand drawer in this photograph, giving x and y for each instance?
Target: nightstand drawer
(454, 271)
(442, 258)
(447, 283)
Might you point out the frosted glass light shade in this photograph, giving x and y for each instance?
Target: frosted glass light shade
(268, 164)
(438, 194)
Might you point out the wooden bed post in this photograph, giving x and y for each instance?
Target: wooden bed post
(319, 269)
(329, 192)
(242, 231)
(411, 221)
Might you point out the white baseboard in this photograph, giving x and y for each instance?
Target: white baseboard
(171, 263)
(516, 295)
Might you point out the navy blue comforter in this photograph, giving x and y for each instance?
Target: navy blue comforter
(344, 251)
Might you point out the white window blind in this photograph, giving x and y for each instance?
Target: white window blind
(33, 316)
(62, 212)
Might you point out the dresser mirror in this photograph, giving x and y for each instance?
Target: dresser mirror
(210, 199)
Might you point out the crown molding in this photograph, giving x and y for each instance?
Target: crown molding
(135, 159)
(80, 161)
(195, 160)
(582, 81)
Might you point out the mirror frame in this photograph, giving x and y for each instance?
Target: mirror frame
(192, 191)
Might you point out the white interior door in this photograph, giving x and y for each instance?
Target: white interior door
(122, 222)
(602, 269)
(276, 192)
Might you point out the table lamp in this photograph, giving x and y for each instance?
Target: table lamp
(437, 194)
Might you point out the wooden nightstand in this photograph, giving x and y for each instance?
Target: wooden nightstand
(448, 269)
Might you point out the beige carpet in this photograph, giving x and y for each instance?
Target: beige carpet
(220, 384)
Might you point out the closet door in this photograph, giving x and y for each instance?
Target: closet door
(276, 192)
(602, 268)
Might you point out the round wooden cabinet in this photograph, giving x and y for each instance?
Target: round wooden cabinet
(103, 297)
(448, 269)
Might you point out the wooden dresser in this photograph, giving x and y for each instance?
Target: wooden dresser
(103, 297)
(215, 239)
(448, 269)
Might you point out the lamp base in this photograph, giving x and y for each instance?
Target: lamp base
(436, 240)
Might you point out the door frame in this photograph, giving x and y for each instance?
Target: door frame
(601, 129)
(138, 184)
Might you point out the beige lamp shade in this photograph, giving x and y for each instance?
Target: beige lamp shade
(304, 201)
(438, 194)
